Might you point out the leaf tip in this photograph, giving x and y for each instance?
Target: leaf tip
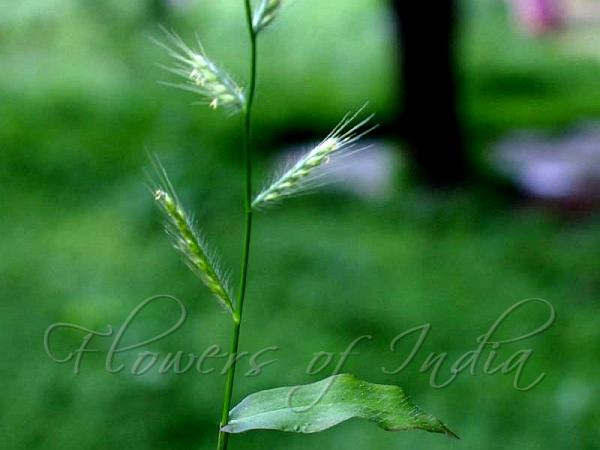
(448, 432)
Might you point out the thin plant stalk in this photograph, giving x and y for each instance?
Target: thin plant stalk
(235, 338)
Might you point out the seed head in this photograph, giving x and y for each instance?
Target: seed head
(189, 242)
(201, 75)
(265, 12)
(308, 171)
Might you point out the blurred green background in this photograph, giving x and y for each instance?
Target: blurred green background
(82, 242)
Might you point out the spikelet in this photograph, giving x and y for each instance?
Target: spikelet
(307, 172)
(190, 243)
(265, 12)
(202, 76)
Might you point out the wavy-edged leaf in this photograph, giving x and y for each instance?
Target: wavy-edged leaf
(318, 406)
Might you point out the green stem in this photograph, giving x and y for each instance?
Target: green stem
(235, 338)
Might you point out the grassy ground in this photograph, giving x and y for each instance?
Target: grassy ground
(82, 242)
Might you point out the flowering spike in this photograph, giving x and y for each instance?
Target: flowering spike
(264, 13)
(190, 243)
(305, 173)
(201, 75)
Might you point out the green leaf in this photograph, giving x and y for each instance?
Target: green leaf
(318, 406)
